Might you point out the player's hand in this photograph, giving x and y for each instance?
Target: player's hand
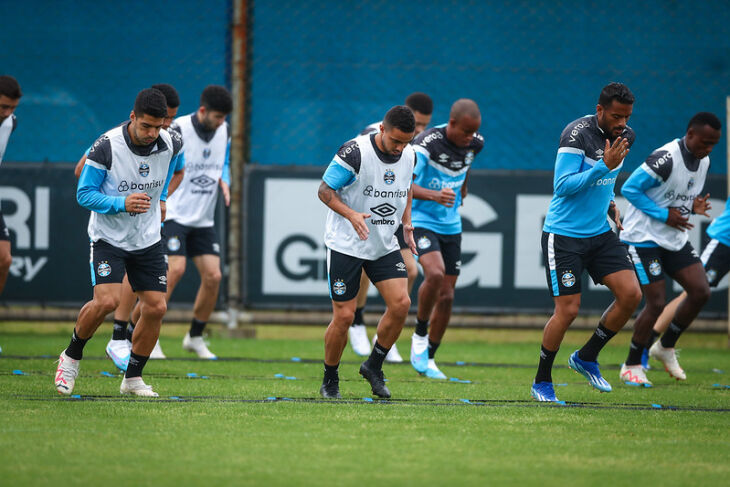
(163, 210)
(445, 197)
(701, 205)
(676, 220)
(615, 215)
(614, 154)
(408, 237)
(226, 190)
(358, 223)
(137, 203)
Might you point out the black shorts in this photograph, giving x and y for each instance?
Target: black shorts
(716, 259)
(651, 263)
(190, 241)
(4, 232)
(565, 258)
(401, 239)
(449, 246)
(344, 271)
(146, 268)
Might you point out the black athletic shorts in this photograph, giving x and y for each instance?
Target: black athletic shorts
(146, 268)
(565, 258)
(651, 263)
(716, 259)
(190, 241)
(449, 246)
(4, 232)
(344, 271)
(401, 239)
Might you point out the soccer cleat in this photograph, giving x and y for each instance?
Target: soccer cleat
(634, 375)
(66, 373)
(393, 356)
(590, 371)
(419, 353)
(118, 352)
(433, 372)
(668, 357)
(157, 353)
(543, 392)
(645, 359)
(136, 387)
(376, 379)
(197, 345)
(359, 340)
(330, 389)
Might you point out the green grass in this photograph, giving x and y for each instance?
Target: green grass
(429, 437)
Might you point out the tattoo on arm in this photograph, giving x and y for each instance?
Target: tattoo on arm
(326, 193)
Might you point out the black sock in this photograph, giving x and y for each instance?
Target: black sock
(75, 349)
(136, 364)
(636, 350)
(120, 330)
(358, 317)
(130, 330)
(432, 347)
(545, 365)
(600, 338)
(375, 360)
(421, 327)
(670, 337)
(330, 372)
(196, 328)
(652, 338)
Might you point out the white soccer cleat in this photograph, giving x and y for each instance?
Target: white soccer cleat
(634, 375)
(157, 352)
(419, 353)
(393, 356)
(668, 357)
(433, 372)
(118, 352)
(197, 346)
(66, 373)
(359, 340)
(136, 387)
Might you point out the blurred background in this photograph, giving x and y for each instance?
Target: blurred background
(307, 76)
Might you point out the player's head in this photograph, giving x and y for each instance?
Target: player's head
(173, 102)
(397, 129)
(703, 134)
(215, 105)
(148, 116)
(464, 121)
(422, 107)
(9, 96)
(615, 104)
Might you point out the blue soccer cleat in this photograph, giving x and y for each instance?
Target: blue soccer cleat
(118, 352)
(645, 359)
(543, 392)
(433, 372)
(419, 353)
(590, 371)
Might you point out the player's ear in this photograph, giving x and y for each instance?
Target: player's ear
(132, 116)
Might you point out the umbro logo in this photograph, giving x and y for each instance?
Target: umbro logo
(384, 209)
(203, 181)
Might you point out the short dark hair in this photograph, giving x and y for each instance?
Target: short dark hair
(218, 98)
(400, 117)
(705, 118)
(173, 99)
(9, 87)
(615, 91)
(150, 101)
(420, 102)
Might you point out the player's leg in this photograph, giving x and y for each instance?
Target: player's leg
(389, 276)
(5, 260)
(411, 267)
(357, 333)
(117, 349)
(434, 272)
(344, 273)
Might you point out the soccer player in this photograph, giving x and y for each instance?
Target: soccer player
(367, 188)
(445, 154)
(124, 183)
(422, 107)
(662, 193)
(120, 345)
(577, 236)
(9, 98)
(189, 229)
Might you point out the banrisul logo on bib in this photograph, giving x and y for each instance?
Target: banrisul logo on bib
(389, 177)
(144, 169)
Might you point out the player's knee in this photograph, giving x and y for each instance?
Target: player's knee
(569, 311)
(446, 297)
(435, 275)
(411, 272)
(107, 303)
(342, 317)
(155, 310)
(633, 296)
(212, 278)
(655, 304)
(5, 261)
(699, 295)
(401, 306)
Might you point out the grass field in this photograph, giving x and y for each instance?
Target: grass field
(234, 426)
